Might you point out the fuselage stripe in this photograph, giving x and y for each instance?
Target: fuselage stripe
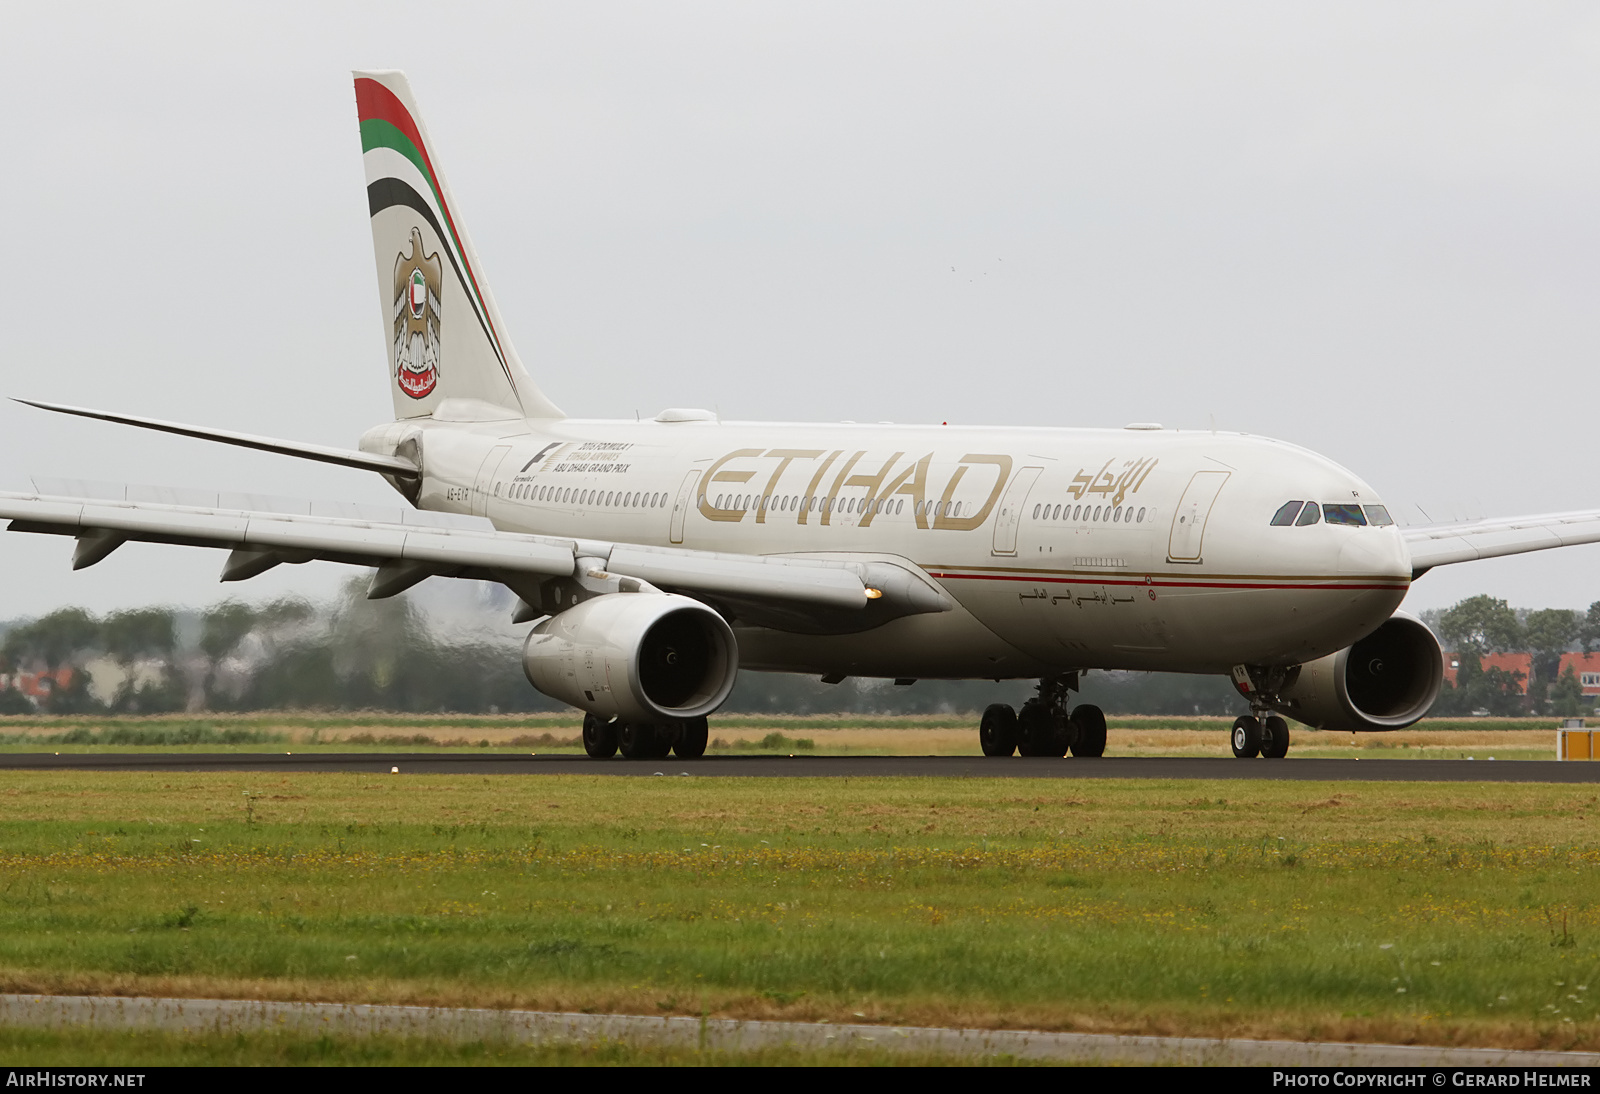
(1163, 583)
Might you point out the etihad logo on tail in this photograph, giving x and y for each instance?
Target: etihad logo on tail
(418, 280)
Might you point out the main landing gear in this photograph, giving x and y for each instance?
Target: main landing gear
(1044, 726)
(684, 738)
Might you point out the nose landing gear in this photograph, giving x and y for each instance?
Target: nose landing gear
(1262, 732)
(1268, 737)
(1046, 726)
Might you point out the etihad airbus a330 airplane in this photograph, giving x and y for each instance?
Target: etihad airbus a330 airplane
(658, 557)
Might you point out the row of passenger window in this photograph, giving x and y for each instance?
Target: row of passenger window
(610, 499)
(1302, 513)
(1116, 515)
(618, 499)
(792, 503)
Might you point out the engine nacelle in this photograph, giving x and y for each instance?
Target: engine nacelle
(643, 657)
(1387, 680)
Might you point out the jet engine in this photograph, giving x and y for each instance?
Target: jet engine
(1387, 680)
(643, 657)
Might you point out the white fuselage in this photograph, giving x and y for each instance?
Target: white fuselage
(1062, 549)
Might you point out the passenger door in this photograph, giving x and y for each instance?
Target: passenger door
(1011, 506)
(681, 504)
(484, 489)
(1189, 519)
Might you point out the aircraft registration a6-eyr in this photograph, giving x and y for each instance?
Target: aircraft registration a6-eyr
(657, 557)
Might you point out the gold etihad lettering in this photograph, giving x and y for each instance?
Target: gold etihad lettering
(911, 480)
(943, 519)
(1117, 486)
(785, 456)
(872, 483)
(807, 501)
(708, 508)
(833, 491)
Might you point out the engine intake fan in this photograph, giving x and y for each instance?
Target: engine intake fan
(641, 657)
(1388, 680)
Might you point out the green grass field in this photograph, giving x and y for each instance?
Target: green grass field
(1479, 738)
(151, 1048)
(1443, 913)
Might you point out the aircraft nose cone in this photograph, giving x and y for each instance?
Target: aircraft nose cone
(1374, 553)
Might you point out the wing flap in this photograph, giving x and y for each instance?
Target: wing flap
(743, 576)
(259, 540)
(491, 550)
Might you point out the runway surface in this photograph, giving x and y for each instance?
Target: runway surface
(230, 1016)
(956, 767)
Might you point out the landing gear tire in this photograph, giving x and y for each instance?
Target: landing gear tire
(997, 732)
(1090, 739)
(1246, 737)
(642, 741)
(599, 737)
(1040, 732)
(661, 748)
(692, 736)
(1274, 737)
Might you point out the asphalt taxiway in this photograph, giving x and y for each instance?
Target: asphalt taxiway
(767, 766)
(239, 1016)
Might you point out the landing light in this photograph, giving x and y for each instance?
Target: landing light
(874, 594)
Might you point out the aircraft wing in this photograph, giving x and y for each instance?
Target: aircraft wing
(1441, 544)
(414, 545)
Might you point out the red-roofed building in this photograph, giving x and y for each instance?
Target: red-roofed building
(1587, 668)
(37, 686)
(1510, 662)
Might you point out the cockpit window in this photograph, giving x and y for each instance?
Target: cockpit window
(1285, 516)
(1378, 516)
(1308, 515)
(1344, 514)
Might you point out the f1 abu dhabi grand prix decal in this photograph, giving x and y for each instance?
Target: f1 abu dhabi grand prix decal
(417, 283)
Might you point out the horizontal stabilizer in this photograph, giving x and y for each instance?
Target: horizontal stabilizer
(347, 457)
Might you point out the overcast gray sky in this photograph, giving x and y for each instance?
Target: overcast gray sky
(1370, 229)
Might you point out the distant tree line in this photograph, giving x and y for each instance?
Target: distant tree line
(1481, 625)
(287, 654)
(360, 654)
(357, 654)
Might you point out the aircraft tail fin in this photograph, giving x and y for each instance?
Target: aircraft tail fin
(444, 333)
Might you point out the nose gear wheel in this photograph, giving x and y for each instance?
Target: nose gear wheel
(1246, 737)
(1274, 738)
